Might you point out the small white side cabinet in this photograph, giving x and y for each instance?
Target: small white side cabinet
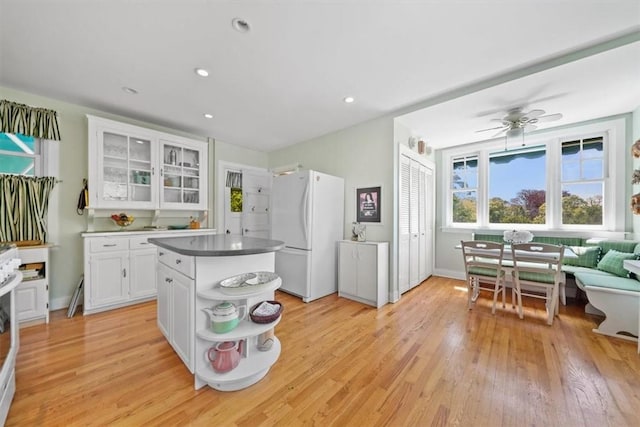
(363, 272)
(32, 295)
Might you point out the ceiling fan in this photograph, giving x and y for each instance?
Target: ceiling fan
(516, 121)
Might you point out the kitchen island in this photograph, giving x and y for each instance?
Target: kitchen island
(189, 273)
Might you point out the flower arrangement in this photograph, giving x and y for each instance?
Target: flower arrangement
(517, 236)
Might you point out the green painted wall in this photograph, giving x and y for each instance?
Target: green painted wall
(362, 155)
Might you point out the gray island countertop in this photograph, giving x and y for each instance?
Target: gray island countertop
(217, 245)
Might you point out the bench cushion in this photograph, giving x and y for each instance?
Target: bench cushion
(612, 261)
(608, 281)
(573, 269)
(588, 256)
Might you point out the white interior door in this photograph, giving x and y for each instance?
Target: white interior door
(403, 225)
(256, 200)
(253, 188)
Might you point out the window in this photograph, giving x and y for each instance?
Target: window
(19, 154)
(517, 186)
(567, 179)
(236, 200)
(464, 189)
(583, 181)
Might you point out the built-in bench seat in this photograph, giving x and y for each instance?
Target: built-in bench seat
(615, 297)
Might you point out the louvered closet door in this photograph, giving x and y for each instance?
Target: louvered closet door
(414, 225)
(403, 225)
(426, 208)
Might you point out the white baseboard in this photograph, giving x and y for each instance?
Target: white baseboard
(451, 274)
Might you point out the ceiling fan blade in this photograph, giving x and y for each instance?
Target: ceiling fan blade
(533, 114)
(498, 127)
(530, 127)
(550, 117)
(500, 133)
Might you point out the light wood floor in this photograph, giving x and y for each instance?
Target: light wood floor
(424, 361)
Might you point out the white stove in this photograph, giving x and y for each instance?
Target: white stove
(9, 262)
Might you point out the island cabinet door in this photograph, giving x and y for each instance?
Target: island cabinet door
(164, 300)
(182, 321)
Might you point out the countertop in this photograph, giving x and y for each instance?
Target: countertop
(217, 245)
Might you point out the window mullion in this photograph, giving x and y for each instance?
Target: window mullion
(483, 188)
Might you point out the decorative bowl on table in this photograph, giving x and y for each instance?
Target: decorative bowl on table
(122, 219)
(517, 236)
(266, 311)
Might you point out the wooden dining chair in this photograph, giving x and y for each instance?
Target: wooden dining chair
(483, 264)
(537, 266)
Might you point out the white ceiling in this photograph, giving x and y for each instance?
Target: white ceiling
(284, 81)
(598, 86)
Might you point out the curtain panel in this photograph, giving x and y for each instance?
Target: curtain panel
(29, 121)
(24, 202)
(234, 179)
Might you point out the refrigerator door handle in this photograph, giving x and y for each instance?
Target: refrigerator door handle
(305, 219)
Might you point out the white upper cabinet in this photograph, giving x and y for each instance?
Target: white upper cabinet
(136, 168)
(183, 174)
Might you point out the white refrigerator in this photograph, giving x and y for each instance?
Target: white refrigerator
(307, 209)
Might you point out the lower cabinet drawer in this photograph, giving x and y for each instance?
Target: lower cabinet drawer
(108, 244)
(183, 263)
(140, 243)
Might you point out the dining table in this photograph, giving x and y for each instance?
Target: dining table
(508, 256)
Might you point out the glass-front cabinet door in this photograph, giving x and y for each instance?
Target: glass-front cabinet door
(132, 167)
(183, 180)
(126, 173)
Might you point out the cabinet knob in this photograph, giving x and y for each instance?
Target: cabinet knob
(160, 253)
(178, 261)
(124, 272)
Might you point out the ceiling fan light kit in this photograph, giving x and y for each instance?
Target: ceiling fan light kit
(516, 121)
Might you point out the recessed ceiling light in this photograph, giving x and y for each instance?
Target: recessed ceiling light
(349, 99)
(129, 90)
(240, 25)
(202, 72)
(208, 116)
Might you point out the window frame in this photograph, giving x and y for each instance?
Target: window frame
(613, 132)
(465, 158)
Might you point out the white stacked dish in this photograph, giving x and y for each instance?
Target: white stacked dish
(247, 283)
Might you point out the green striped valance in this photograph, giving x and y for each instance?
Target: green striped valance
(29, 121)
(24, 202)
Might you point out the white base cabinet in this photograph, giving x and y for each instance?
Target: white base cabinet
(363, 272)
(32, 295)
(121, 268)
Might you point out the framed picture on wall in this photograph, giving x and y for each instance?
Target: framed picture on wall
(368, 204)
